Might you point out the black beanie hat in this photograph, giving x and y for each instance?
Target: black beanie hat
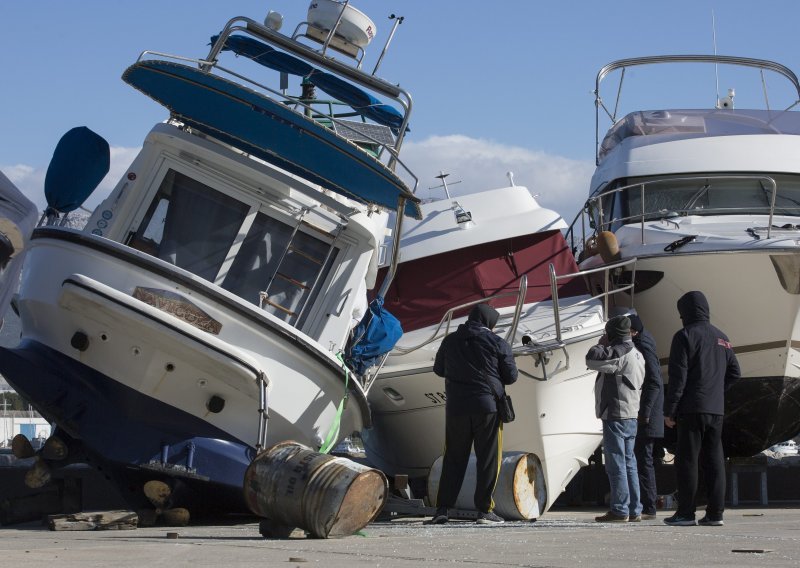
(618, 328)
(636, 322)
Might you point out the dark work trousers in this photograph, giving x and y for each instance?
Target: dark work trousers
(643, 450)
(486, 431)
(700, 443)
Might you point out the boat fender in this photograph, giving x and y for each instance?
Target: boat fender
(607, 246)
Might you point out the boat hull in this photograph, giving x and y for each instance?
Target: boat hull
(129, 354)
(555, 418)
(121, 431)
(762, 320)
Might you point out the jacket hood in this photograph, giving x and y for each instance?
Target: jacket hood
(484, 315)
(693, 307)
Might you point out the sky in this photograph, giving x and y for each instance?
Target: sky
(497, 86)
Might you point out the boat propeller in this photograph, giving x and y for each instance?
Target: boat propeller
(54, 449)
(159, 493)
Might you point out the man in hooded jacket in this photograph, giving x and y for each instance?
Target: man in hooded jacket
(651, 417)
(702, 366)
(476, 365)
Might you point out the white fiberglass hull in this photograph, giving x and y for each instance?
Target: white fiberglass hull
(171, 341)
(760, 316)
(555, 418)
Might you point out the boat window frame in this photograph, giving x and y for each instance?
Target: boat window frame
(259, 200)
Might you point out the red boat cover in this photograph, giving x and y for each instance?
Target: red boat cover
(424, 289)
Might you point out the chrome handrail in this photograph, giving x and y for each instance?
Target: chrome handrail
(523, 292)
(595, 203)
(448, 316)
(761, 64)
(606, 269)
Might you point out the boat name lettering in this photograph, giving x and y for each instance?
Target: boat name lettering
(178, 306)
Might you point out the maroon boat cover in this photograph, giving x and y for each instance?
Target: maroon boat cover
(424, 289)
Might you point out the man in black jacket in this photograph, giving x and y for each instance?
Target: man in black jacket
(702, 366)
(477, 365)
(651, 416)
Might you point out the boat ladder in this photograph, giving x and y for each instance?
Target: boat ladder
(299, 268)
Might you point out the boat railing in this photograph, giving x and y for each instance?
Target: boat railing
(443, 328)
(594, 214)
(611, 287)
(623, 64)
(311, 108)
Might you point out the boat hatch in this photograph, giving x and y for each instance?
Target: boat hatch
(276, 263)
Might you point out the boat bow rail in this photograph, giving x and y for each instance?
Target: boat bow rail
(669, 198)
(540, 349)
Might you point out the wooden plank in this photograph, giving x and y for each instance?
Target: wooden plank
(94, 520)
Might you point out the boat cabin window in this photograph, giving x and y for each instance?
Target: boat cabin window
(719, 195)
(277, 267)
(190, 225)
(266, 261)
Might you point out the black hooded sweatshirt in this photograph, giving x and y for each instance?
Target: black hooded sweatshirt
(471, 358)
(702, 365)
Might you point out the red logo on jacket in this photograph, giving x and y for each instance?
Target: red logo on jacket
(723, 343)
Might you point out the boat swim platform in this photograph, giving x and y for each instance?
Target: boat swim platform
(565, 537)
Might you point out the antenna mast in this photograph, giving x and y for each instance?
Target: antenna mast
(714, 38)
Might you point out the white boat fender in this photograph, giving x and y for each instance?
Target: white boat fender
(607, 246)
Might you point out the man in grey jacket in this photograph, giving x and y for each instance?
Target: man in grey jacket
(617, 391)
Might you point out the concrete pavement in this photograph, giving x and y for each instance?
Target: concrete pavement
(565, 537)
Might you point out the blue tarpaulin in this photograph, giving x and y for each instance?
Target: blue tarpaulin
(374, 336)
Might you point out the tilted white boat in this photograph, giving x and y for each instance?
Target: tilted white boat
(501, 247)
(198, 316)
(709, 199)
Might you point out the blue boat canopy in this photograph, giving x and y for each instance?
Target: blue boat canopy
(270, 131)
(358, 99)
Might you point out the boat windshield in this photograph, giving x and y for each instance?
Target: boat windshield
(632, 199)
(259, 258)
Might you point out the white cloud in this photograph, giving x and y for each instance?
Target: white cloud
(561, 184)
(30, 179)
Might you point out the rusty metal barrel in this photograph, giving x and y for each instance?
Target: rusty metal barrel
(520, 493)
(325, 495)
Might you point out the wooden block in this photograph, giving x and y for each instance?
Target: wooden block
(95, 520)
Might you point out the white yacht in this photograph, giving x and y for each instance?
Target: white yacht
(497, 246)
(201, 313)
(708, 198)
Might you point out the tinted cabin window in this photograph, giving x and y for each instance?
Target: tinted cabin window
(190, 225)
(282, 264)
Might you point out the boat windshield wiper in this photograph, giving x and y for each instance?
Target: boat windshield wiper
(697, 196)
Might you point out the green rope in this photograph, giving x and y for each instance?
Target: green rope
(333, 432)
